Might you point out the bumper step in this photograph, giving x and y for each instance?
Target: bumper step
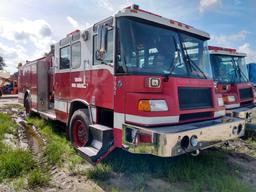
(101, 142)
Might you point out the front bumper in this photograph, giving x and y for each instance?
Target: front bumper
(167, 141)
(245, 113)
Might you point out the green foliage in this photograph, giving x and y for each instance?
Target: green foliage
(19, 183)
(6, 125)
(73, 162)
(209, 171)
(15, 163)
(100, 172)
(37, 178)
(57, 148)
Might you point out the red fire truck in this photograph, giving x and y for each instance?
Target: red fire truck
(136, 81)
(231, 77)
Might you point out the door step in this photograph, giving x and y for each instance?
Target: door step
(102, 140)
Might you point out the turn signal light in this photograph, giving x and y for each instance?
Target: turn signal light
(144, 105)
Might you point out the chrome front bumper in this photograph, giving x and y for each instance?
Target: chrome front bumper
(245, 113)
(166, 141)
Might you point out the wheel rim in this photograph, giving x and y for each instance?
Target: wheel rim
(80, 133)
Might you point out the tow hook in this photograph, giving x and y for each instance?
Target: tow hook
(195, 153)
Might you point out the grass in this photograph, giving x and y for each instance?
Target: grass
(37, 178)
(7, 125)
(99, 172)
(14, 163)
(18, 184)
(208, 172)
(58, 149)
(17, 165)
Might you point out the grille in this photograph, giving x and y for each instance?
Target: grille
(185, 117)
(194, 98)
(246, 94)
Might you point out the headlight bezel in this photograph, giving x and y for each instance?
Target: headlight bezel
(152, 105)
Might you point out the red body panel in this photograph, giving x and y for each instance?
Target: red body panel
(233, 90)
(128, 96)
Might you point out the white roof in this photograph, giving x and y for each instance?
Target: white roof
(161, 20)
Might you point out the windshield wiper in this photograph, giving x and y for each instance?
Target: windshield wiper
(173, 67)
(192, 63)
(239, 71)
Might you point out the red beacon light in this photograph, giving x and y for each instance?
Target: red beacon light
(135, 8)
(216, 49)
(73, 32)
(180, 24)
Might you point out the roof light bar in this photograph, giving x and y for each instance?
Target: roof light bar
(216, 49)
(73, 32)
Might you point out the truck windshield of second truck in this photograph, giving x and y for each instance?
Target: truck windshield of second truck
(147, 48)
(229, 69)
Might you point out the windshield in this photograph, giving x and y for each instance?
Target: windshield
(151, 49)
(229, 69)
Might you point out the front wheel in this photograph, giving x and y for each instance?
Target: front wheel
(79, 128)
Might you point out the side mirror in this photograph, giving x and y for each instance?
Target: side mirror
(101, 42)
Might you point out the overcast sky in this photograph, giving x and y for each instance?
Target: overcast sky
(28, 27)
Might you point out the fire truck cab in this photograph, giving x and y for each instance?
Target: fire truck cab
(231, 77)
(136, 81)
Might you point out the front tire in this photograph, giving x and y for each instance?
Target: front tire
(79, 128)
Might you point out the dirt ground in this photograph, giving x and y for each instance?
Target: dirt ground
(240, 155)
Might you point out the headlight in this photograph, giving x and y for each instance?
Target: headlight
(220, 102)
(152, 105)
(231, 98)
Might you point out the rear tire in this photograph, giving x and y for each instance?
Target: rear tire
(79, 133)
(27, 103)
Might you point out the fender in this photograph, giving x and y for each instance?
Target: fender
(78, 104)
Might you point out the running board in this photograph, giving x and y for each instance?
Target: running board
(101, 142)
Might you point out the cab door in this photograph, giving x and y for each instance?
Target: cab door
(62, 81)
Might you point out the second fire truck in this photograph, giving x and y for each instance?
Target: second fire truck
(136, 81)
(231, 77)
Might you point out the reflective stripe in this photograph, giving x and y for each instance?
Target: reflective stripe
(118, 120)
(152, 120)
(219, 113)
(230, 106)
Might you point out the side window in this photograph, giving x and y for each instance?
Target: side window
(95, 61)
(108, 57)
(76, 55)
(65, 57)
(109, 53)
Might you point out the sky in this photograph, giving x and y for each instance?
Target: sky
(29, 27)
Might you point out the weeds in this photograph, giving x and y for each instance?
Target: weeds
(57, 148)
(208, 172)
(73, 162)
(139, 181)
(37, 178)
(19, 183)
(15, 163)
(6, 125)
(99, 172)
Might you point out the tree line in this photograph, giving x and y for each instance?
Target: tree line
(2, 63)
